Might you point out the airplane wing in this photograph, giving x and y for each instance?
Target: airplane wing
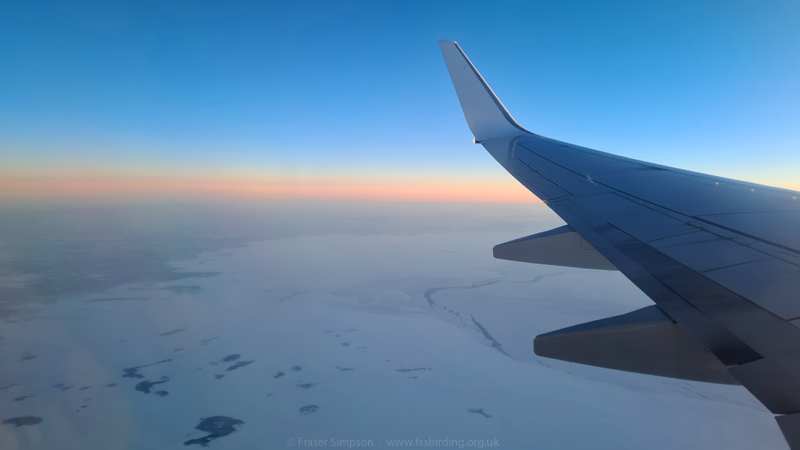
(719, 257)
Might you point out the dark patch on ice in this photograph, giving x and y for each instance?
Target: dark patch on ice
(338, 335)
(216, 427)
(289, 296)
(19, 399)
(85, 388)
(116, 299)
(429, 295)
(309, 409)
(206, 341)
(239, 364)
(133, 372)
(279, 374)
(413, 370)
(28, 357)
(110, 385)
(177, 349)
(230, 358)
(488, 336)
(62, 387)
(343, 369)
(180, 289)
(168, 333)
(161, 393)
(23, 421)
(695, 392)
(145, 386)
(219, 377)
(345, 344)
(296, 368)
(479, 411)
(6, 386)
(307, 385)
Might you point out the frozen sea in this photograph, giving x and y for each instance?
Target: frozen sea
(276, 325)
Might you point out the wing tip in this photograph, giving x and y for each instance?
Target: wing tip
(486, 115)
(446, 42)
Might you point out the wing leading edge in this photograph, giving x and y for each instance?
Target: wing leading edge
(719, 257)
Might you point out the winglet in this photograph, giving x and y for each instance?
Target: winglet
(486, 115)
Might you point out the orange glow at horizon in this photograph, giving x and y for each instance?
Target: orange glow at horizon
(409, 190)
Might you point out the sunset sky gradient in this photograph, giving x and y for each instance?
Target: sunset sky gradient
(351, 100)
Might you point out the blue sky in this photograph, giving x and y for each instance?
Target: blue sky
(209, 87)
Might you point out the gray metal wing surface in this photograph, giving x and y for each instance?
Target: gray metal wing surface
(719, 257)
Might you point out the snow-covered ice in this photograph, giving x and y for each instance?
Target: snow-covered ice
(390, 325)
